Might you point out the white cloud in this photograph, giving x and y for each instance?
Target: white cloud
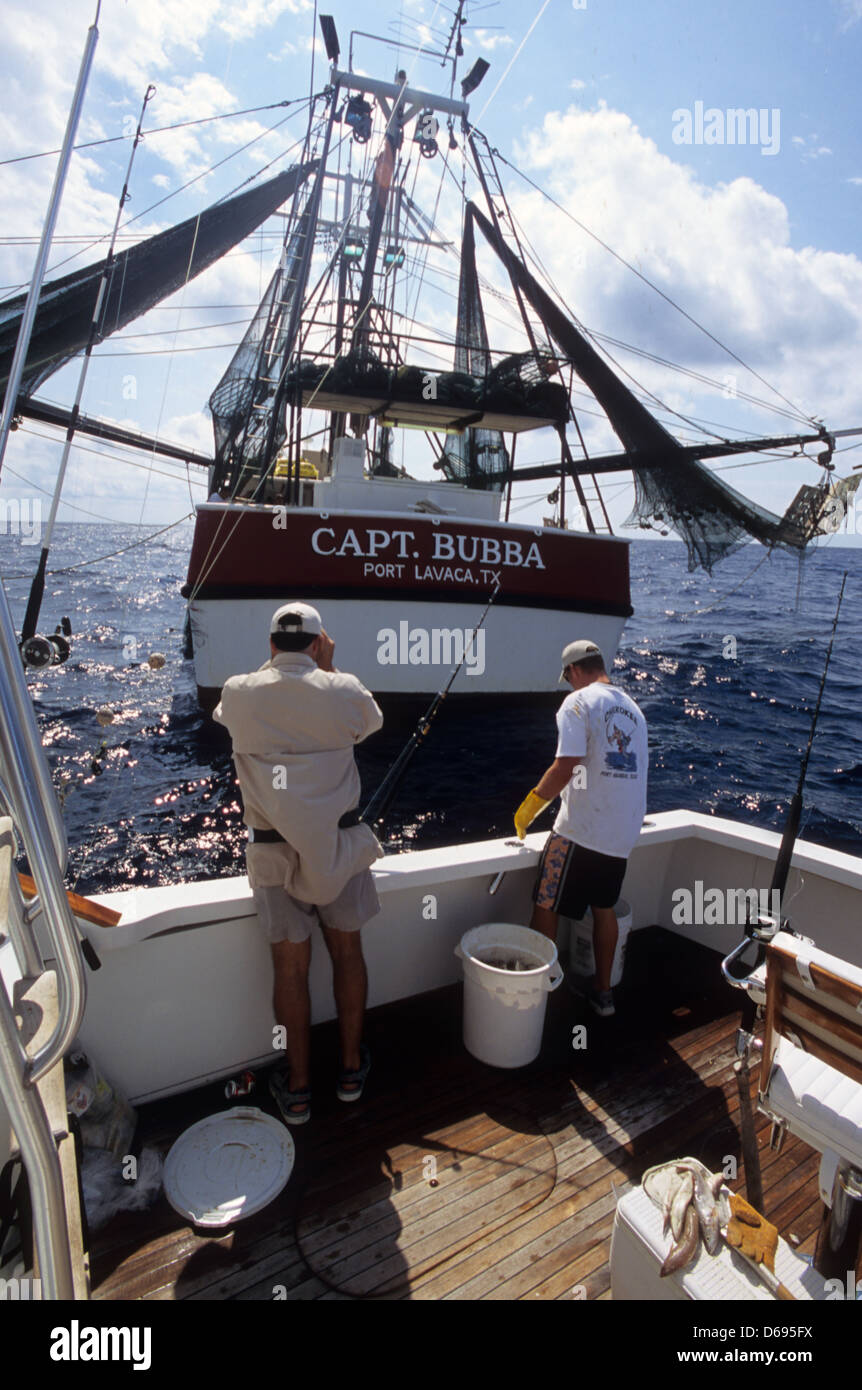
(577, 85)
(723, 253)
(489, 41)
(852, 12)
(809, 148)
(242, 22)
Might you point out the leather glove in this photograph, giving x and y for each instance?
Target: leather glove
(751, 1233)
(527, 812)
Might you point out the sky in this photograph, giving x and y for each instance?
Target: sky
(616, 109)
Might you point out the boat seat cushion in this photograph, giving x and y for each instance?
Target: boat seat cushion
(820, 1105)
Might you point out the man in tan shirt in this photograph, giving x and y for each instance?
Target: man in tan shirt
(293, 725)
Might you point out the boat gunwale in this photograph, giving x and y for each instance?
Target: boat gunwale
(224, 895)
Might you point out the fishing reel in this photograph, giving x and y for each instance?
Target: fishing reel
(39, 652)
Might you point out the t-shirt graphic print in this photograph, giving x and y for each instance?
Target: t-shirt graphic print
(604, 804)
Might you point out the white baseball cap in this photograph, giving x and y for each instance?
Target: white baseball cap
(578, 651)
(295, 618)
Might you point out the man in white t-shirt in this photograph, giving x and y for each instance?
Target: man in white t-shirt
(600, 775)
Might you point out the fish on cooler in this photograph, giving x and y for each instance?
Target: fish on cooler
(693, 1207)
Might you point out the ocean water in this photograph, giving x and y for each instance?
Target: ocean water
(726, 669)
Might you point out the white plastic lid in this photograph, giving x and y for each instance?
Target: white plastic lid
(228, 1166)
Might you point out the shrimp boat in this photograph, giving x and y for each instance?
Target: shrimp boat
(344, 367)
(453, 1178)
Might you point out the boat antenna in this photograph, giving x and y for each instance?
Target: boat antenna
(382, 798)
(791, 828)
(37, 588)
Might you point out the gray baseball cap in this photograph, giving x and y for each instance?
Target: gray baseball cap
(296, 617)
(578, 651)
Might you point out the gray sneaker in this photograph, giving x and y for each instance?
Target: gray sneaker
(601, 1001)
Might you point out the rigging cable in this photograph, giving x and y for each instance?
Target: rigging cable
(204, 174)
(156, 130)
(644, 390)
(512, 62)
(696, 612)
(645, 395)
(800, 413)
(176, 476)
(37, 588)
(110, 555)
(210, 559)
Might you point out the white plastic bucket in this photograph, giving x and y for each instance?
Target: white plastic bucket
(581, 943)
(504, 1008)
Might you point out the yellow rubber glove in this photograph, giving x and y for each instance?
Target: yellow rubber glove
(527, 812)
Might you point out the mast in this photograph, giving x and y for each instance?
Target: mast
(384, 172)
(37, 588)
(299, 288)
(29, 313)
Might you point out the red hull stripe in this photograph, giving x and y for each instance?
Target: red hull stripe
(264, 554)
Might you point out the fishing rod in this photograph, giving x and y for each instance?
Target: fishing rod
(38, 652)
(791, 828)
(381, 799)
(762, 932)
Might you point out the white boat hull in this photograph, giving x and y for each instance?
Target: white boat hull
(231, 636)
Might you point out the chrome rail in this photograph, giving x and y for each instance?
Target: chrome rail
(24, 942)
(36, 814)
(36, 1143)
(33, 808)
(737, 981)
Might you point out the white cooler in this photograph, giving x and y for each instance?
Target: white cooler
(638, 1250)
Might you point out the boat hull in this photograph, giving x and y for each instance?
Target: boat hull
(401, 595)
(515, 655)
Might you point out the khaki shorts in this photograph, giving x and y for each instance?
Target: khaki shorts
(285, 918)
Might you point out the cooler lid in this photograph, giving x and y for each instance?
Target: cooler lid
(228, 1166)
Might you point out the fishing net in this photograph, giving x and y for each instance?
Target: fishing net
(711, 518)
(138, 279)
(714, 520)
(478, 457)
(673, 491)
(382, 465)
(247, 406)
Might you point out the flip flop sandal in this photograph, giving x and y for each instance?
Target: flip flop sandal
(284, 1098)
(355, 1078)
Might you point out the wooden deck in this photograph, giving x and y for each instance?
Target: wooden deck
(456, 1180)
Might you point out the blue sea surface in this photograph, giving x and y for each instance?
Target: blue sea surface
(726, 669)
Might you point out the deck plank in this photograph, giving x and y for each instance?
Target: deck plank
(529, 1163)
